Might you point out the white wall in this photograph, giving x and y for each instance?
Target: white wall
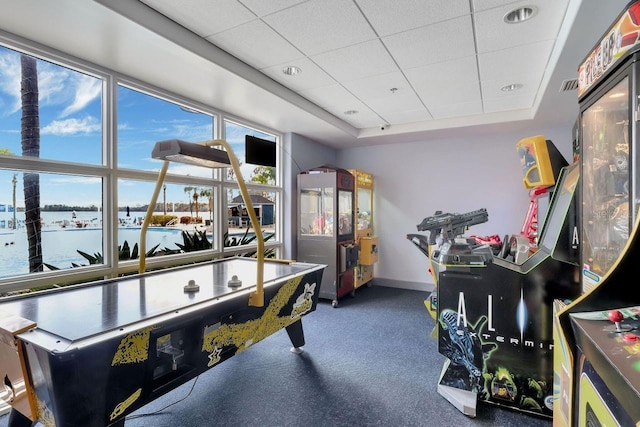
(458, 175)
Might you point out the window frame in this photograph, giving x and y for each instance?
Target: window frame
(110, 174)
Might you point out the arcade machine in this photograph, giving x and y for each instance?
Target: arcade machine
(494, 312)
(325, 227)
(365, 239)
(597, 361)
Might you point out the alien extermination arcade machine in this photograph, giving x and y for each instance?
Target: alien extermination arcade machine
(597, 360)
(494, 312)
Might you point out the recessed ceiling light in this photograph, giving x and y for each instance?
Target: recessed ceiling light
(351, 112)
(291, 70)
(511, 87)
(520, 15)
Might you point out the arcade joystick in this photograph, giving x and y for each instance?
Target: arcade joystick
(616, 317)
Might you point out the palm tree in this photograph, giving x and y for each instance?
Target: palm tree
(188, 190)
(30, 132)
(206, 192)
(195, 200)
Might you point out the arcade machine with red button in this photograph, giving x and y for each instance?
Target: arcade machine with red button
(597, 353)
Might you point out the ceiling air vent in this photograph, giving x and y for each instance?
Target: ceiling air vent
(569, 85)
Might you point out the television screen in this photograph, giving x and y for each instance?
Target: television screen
(258, 151)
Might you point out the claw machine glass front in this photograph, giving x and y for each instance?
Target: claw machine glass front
(606, 179)
(345, 213)
(363, 210)
(316, 211)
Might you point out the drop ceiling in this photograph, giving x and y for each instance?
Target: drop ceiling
(371, 71)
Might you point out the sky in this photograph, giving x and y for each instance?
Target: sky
(70, 111)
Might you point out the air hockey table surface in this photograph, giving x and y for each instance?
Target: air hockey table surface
(118, 344)
(99, 307)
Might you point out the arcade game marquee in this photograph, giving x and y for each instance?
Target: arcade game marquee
(90, 354)
(597, 358)
(494, 311)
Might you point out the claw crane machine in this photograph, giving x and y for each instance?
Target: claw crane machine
(365, 239)
(597, 363)
(325, 227)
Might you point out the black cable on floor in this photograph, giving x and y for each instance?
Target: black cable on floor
(130, 417)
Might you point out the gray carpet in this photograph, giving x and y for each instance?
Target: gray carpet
(368, 362)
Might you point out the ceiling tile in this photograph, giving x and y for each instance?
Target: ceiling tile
(262, 7)
(201, 17)
(434, 43)
(398, 102)
(508, 103)
(401, 117)
(364, 119)
(357, 61)
(377, 90)
(333, 96)
(393, 16)
(479, 5)
(531, 58)
(456, 79)
(447, 111)
(492, 88)
(311, 76)
(336, 100)
(492, 33)
(256, 44)
(335, 24)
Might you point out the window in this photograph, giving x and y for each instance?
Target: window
(261, 184)
(144, 120)
(50, 165)
(74, 199)
(69, 109)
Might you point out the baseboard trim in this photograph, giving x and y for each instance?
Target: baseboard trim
(401, 284)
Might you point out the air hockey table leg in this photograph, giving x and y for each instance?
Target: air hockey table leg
(16, 419)
(296, 335)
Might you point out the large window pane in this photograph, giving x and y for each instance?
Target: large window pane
(68, 112)
(70, 222)
(264, 206)
(179, 208)
(144, 120)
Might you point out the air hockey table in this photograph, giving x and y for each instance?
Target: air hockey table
(90, 354)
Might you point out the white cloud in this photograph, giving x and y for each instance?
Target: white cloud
(86, 90)
(72, 126)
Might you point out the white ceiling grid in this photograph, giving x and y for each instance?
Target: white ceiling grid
(393, 61)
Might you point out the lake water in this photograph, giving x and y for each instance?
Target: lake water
(60, 245)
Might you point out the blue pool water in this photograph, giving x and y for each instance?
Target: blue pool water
(60, 246)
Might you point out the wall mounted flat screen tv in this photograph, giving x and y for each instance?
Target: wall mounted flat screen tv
(258, 151)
